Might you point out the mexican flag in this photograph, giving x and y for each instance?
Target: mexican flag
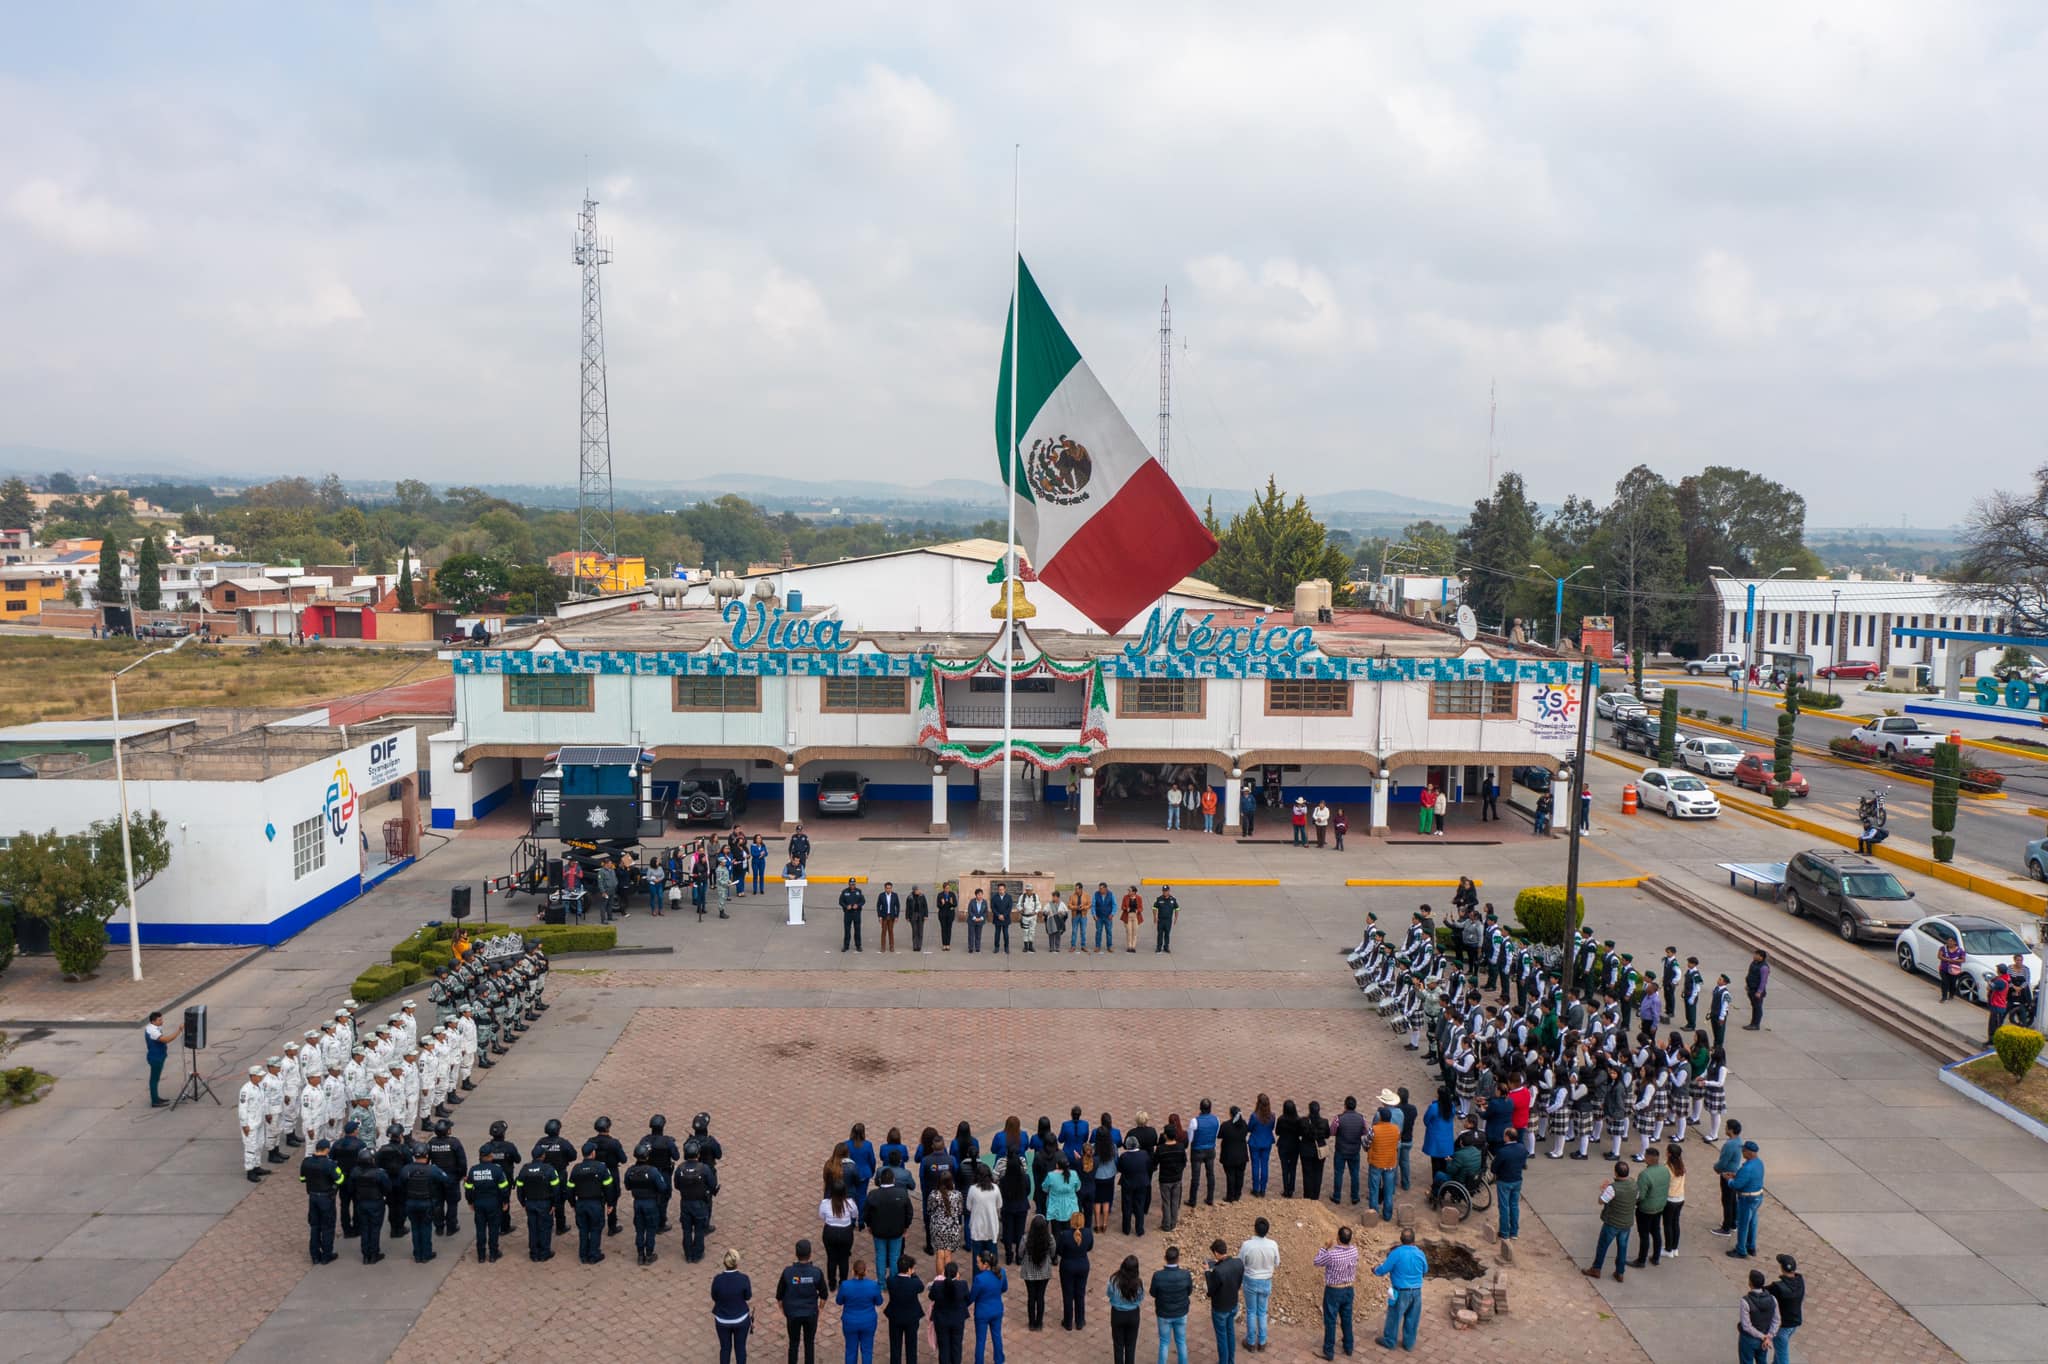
(1096, 513)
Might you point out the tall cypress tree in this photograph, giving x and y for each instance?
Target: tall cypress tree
(405, 593)
(149, 588)
(110, 571)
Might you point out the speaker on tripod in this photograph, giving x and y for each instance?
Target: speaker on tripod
(195, 1042)
(458, 902)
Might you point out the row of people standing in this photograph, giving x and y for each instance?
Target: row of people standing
(1010, 904)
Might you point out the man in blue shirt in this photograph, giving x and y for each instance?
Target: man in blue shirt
(1403, 1269)
(1202, 1154)
(1509, 1164)
(1747, 1184)
(1104, 906)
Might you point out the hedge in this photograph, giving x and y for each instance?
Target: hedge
(2017, 1049)
(1818, 700)
(1915, 764)
(376, 982)
(424, 951)
(1540, 910)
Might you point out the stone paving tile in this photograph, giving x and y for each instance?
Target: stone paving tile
(782, 1087)
(34, 988)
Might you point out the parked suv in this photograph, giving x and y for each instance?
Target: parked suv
(1715, 663)
(1862, 898)
(1637, 732)
(711, 793)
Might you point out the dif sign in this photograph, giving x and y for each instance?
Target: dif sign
(2015, 694)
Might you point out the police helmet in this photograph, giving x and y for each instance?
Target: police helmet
(701, 1124)
(643, 1150)
(656, 1123)
(589, 1148)
(603, 1124)
(443, 1127)
(395, 1131)
(554, 1127)
(498, 1129)
(692, 1149)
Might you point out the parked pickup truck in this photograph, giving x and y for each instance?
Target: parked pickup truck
(1892, 734)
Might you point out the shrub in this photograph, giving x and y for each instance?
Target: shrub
(6, 934)
(1854, 750)
(378, 981)
(18, 1084)
(1725, 719)
(2017, 1049)
(407, 951)
(414, 972)
(1818, 700)
(1944, 847)
(79, 942)
(1540, 910)
(560, 938)
(434, 958)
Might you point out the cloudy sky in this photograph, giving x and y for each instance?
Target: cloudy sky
(1810, 240)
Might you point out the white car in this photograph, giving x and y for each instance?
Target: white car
(1677, 793)
(1987, 945)
(1612, 705)
(1715, 757)
(1723, 664)
(1651, 692)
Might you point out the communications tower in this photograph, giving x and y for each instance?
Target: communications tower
(1165, 377)
(596, 514)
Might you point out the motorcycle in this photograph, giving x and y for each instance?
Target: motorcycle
(1870, 809)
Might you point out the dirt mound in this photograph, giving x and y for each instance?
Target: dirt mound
(1302, 1228)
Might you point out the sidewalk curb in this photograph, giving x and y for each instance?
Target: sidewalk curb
(2032, 1126)
(1208, 880)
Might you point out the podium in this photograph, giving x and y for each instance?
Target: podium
(796, 890)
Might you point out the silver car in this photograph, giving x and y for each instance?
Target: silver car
(842, 793)
(1715, 757)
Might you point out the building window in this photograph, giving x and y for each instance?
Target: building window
(1734, 626)
(1160, 698)
(309, 847)
(227, 595)
(548, 691)
(1307, 696)
(718, 693)
(1472, 698)
(867, 695)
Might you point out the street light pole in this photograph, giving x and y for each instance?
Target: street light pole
(1835, 642)
(1571, 861)
(121, 784)
(1557, 620)
(1748, 626)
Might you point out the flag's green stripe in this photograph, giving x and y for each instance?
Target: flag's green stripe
(1042, 363)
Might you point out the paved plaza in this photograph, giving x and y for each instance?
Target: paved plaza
(127, 1233)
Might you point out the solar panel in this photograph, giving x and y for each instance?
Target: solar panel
(601, 755)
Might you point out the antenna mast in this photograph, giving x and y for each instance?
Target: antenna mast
(1490, 409)
(1165, 377)
(596, 514)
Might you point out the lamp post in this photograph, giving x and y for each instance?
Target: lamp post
(1835, 642)
(121, 784)
(1557, 621)
(1748, 625)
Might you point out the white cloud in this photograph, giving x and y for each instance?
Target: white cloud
(77, 221)
(1725, 298)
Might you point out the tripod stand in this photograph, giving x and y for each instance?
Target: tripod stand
(195, 1083)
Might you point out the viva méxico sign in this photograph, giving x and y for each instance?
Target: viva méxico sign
(1172, 634)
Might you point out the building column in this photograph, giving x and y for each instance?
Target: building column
(789, 797)
(1233, 792)
(1564, 803)
(1086, 823)
(938, 824)
(1380, 798)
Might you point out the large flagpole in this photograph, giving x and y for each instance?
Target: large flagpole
(1010, 502)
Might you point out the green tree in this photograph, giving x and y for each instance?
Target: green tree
(332, 496)
(109, 589)
(1495, 548)
(467, 581)
(1948, 775)
(1424, 547)
(149, 588)
(1746, 523)
(1271, 546)
(1639, 549)
(1781, 759)
(407, 601)
(60, 482)
(16, 511)
(1667, 728)
(536, 588)
(414, 497)
(76, 882)
(732, 531)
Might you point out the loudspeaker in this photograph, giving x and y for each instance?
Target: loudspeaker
(195, 1027)
(554, 873)
(458, 902)
(552, 912)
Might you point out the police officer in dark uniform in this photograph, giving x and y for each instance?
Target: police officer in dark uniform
(392, 1158)
(347, 1154)
(589, 1184)
(649, 1188)
(540, 1193)
(424, 1183)
(556, 1151)
(488, 1189)
(450, 1159)
(696, 1183)
(613, 1154)
(662, 1154)
(505, 1156)
(323, 1180)
(372, 1190)
(710, 1152)
(852, 901)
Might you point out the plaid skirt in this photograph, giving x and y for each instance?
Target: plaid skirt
(1468, 1084)
(1713, 1097)
(1581, 1122)
(1677, 1104)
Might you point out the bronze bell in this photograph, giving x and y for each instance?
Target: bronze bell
(1021, 608)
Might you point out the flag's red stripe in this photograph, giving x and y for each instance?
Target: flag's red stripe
(1128, 554)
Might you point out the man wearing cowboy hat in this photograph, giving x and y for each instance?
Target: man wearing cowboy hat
(1382, 1154)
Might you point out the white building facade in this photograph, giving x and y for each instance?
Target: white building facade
(1831, 621)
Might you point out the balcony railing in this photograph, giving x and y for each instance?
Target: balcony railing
(989, 715)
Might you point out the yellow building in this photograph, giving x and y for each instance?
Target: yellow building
(25, 591)
(596, 573)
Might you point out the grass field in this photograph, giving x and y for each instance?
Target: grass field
(2029, 1096)
(66, 679)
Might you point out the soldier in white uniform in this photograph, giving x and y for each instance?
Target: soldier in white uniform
(333, 1056)
(294, 1075)
(252, 1111)
(273, 1107)
(313, 1108)
(383, 1109)
(465, 1028)
(401, 1104)
(336, 1090)
(346, 1016)
(409, 1023)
